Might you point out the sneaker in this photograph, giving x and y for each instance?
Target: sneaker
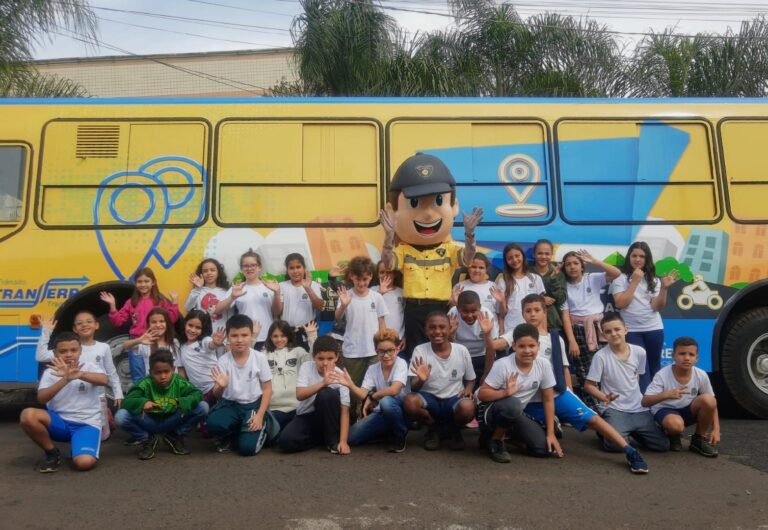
(636, 463)
(130, 442)
(457, 441)
(49, 463)
(176, 444)
(499, 452)
(472, 424)
(700, 445)
(333, 449)
(148, 446)
(676, 443)
(223, 445)
(558, 429)
(432, 439)
(397, 444)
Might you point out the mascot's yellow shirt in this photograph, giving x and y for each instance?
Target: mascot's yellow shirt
(428, 271)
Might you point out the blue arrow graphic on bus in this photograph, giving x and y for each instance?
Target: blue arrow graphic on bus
(584, 168)
(173, 190)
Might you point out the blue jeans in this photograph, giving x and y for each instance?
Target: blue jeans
(386, 421)
(136, 364)
(653, 342)
(141, 427)
(639, 425)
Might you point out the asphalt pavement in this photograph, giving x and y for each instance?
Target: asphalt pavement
(374, 489)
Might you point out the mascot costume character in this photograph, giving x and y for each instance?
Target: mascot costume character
(419, 217)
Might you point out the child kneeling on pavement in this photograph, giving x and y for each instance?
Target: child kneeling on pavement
(162, 405)
(243, 385)
(510, 385)
(442, 378)
(681, 395)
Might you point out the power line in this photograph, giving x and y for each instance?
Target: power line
(202, 75)
(164, 30)
(241, 8)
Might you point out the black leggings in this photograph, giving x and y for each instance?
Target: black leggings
(508, 414)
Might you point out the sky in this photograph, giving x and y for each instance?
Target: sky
(180, 26)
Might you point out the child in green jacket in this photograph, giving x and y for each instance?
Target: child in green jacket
(162, 405)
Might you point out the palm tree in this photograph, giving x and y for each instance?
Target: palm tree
(29, 83)
(26, 23)
(670, 65)
(342, 47)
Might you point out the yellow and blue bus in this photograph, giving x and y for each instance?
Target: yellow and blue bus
(93, 189)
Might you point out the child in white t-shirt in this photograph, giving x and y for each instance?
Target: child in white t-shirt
(681, 395)
(616, 368)
(491, 297)
(253, 297)
(442, 379)
(298, 298)
(516, 282)
(365, 311)
(92, 352)
(243, 385)
(474, 327)
(640, 295)
(384, 386)
(209, 287)
(322, 416)
(199, 353)
(390, 287)
(70, 391)
(568, 407)
(513, 381)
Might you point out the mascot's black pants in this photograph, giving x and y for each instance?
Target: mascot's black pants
(415, 316)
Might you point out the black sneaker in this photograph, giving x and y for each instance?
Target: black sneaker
(130, 442)
(457, 441)
(432, 439)
(49, 463)
(397, 444)
(223, 445)
(636, 463)
(499, 452)
(333, 449)
(148, 446)
(176, 444)
(676, 443)
(558, 429)
(700, 445)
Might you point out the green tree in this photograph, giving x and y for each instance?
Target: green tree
(704, 65)
(24, 23)
(342, 47)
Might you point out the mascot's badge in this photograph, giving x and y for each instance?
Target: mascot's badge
(441, 252)
(425, 170)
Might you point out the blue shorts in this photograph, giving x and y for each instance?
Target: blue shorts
(441, 409)
(568, 409)
(84, 439)
(685, 413)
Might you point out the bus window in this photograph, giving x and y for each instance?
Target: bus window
(298, 173)
(636, 171)
(122, 173)
(745, 171)
(12, 167)
(499, 165)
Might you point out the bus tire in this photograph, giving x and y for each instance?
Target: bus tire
(744, 361)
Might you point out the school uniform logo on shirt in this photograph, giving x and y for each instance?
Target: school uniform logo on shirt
(98, 358)
(694, 392)
(81, 388)
(265, 295)
(530, 285)
(373, 305)
(589, 290)
(535, 385)
(548, 351)
(454, 373)
(304, 296)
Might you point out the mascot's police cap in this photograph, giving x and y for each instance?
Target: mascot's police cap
(422, 175)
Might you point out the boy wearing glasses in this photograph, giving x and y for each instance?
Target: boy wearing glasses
(381, 393)
(93, 352)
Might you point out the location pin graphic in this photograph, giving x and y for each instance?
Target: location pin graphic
(514, 171)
